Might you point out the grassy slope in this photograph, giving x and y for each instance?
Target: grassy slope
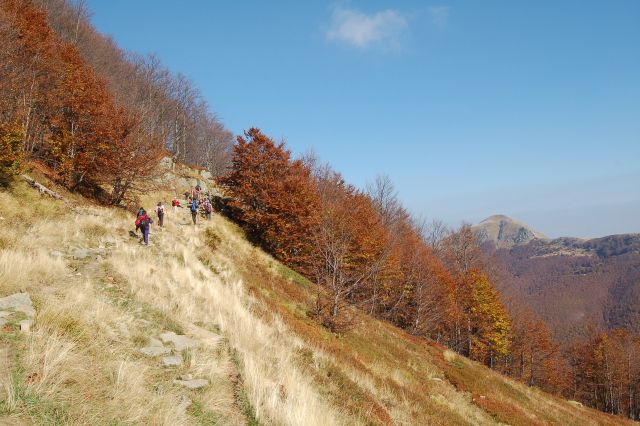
(266, 360)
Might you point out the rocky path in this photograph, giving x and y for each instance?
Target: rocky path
(175, 359)
(187, 365)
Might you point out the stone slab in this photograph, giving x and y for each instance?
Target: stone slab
(172, 361)
(180, 341)
(155, 350)
(193, 383)
(18, 302)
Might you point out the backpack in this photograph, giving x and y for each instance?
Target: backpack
(142, 223)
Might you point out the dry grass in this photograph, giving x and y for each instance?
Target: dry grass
(181, 286)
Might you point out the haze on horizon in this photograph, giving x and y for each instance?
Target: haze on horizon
(472, 109)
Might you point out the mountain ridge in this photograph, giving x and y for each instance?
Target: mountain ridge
(506, 232)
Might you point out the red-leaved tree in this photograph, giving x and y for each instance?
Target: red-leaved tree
(274, 198)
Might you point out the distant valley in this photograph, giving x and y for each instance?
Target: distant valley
(577, 286)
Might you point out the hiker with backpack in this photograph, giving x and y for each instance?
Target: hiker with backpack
(194, 210)
(208, 208)
(138, 214)
(144, 223)
(159, 209)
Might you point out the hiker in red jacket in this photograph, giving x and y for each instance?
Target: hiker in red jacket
(175, 204)
(144, 222)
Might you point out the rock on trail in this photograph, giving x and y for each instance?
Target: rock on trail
(155, 351)
(18, 302)
(172, 361)
(180, 341)
(193, 383)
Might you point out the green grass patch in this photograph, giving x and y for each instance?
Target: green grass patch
(292, 275)
(456, 364)
(239, 392)
(39, 410)
(203, 416)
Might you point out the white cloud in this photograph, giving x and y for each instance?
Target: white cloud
(439, 16)
(362, 31)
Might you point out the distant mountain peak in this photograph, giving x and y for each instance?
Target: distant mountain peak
(506, 232)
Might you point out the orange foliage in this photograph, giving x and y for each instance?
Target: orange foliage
(274, 198)
(349, 247)
(64, 110)
(606, 373)
(535, 358)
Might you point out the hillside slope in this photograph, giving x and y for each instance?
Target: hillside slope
(100, 297)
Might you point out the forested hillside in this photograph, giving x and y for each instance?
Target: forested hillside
(90, 119)
(97, 117)
(586, 293)
(577, 286)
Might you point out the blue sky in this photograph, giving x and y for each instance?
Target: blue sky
(472, 108)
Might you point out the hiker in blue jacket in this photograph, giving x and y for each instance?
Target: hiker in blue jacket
(194, 210)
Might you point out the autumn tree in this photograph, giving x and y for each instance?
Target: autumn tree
(349, 247)
(534, 358)
(432, 297)
(606, 372)
(170, 106)
(434, 234)
(10, 153)
(460, 251)
(274, 198)
(480, 323)
(132, 159)
(63, 110)
(488, 324)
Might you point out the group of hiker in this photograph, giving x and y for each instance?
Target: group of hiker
(198, 202)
